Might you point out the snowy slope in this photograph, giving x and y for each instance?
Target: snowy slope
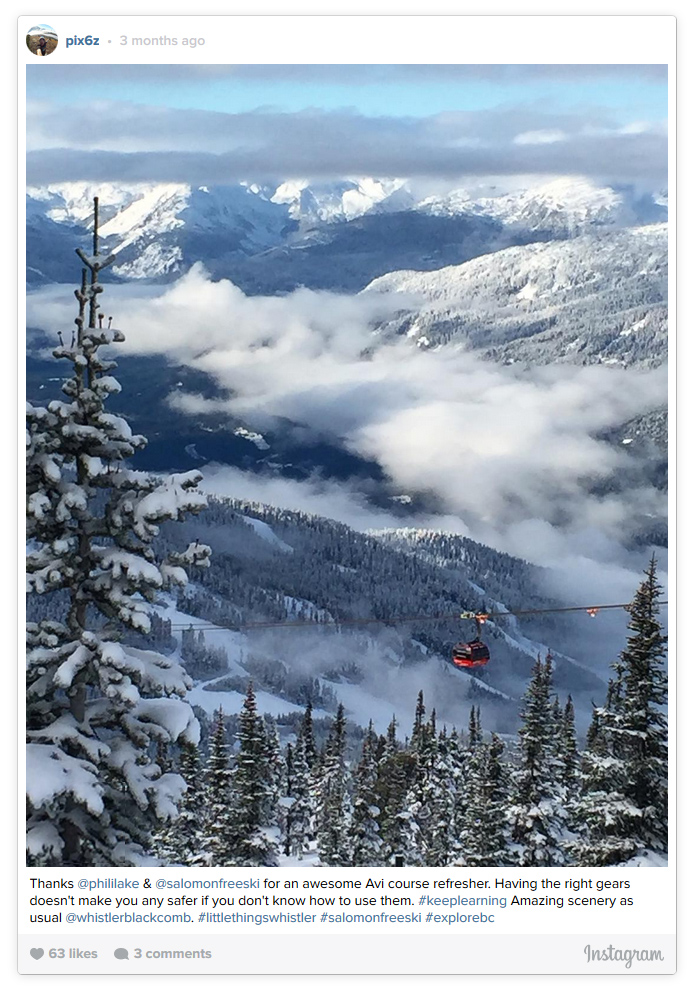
(330, 202)
(563, 207)
(376, 703)
(597, 298)
(235, 643)
(333, 579)
(266, 532)
(274, 565)
(376, 699)
(237, 647)
(73, 202)
(160, 229)
(328, 234)
(565, 204)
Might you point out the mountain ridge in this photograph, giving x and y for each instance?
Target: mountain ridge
(600, 298)
(271, 239)
(279, 565)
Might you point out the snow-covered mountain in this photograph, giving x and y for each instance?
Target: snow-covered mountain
(276, 565)
(598, 298)
(312, 204)
(336, 235)
(158, 230)
(273, 565)
(560, 206)
(563, 207)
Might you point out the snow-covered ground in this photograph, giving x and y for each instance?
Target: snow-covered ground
(235, 643)
(267, 533)
(237, 648)
(231, 701)
(647, 858)
(376, 699)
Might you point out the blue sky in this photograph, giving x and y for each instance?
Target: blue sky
(369, 90)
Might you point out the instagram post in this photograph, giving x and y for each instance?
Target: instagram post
(347, 579)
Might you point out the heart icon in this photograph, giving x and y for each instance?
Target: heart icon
(36, 953)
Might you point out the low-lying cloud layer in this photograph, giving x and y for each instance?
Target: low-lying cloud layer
(510, 455)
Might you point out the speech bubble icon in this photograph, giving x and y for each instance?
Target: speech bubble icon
(121, 953)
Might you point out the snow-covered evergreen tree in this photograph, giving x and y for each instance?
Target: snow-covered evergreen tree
(460, 759)
(484, 840)
(395, 769)
(364, 838)
(622, 806)
(419, 726)
(180, 840)
(474, 728)
(216, 847)
(643, 732)
(440, 839)
(422, 797)
(538, 808)
(297, 805)
(97, 708)
(603, 817)
(308, 737)
(568, 750)
(333, 812)
(286, 799)
(391, 737)
(253, 810)
(274, 769)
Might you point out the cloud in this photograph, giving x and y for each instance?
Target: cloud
(119, 141)
(342, 501)
(539, 137)
(352, 75)
(496, 446)
(504, 456)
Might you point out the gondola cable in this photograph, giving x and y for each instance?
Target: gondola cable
(591, 610)
(466, 654)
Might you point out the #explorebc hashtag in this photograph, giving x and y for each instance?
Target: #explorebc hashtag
(430, 916)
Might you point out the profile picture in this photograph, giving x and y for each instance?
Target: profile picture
(42, 40)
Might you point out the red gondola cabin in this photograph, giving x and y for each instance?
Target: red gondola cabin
(473, 654)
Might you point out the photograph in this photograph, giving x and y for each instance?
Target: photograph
(42, 40)
(346, 464)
